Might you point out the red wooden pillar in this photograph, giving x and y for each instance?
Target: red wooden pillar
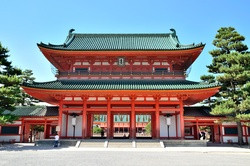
(26, 132)
(84, 118)
(216, 133)
(67, 124)
(153, 124)
(109, 118)
(182, 120)
(111, 125)
(22, 131)
(157, 118)
(245, 131)
(132, 119)
(197, 129)
(60, 118)
(176, 125)
(45, 129)
(89, 125)
(221, 133)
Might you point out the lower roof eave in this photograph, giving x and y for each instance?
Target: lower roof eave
(189, 96)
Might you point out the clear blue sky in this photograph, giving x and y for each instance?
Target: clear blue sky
(27, 22)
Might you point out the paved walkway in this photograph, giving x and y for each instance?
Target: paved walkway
(211, 149)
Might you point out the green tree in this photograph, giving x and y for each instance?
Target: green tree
(9, 86)
(27, 77)
(231, 66)
(148, 128)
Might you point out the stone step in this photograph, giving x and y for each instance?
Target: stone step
(185, 143)
(92, 144)
(148, 144)
(120, 144)
(50, 142)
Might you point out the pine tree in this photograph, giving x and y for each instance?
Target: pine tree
(27, 77)
(9, 86)
(231, 65)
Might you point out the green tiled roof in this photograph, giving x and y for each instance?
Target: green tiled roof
(199, 111)
(105, 42)
(120, 85)
(34, 111)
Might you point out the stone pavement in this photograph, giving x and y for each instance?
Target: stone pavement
(210, 149)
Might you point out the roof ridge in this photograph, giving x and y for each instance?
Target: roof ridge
(121, 34)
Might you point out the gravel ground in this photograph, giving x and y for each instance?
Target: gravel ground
(28, 154)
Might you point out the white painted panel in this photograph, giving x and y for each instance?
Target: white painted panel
(145, 63)
(8, 138)
(164, 63)
(85, 63)
(68, 98)
(137, 63)
(105, 63)
(229, 123)
(231, 138)
(77, 98)
(78, 127)
(174, 99)
(189, 137)
(149, 99)
(77, 63)
(164, 129)
(125, 99)
(17, 122)
(101, 99)
(156, 63)
(234, 139)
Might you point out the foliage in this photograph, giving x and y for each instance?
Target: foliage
(11, 78)
(148, 128)
(97, 130)
(9, 86)
(231, 66)
(8, 118)
(26, 77)
(38, 128)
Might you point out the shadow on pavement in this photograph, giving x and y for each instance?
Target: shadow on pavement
(234, 145)
(27, 146)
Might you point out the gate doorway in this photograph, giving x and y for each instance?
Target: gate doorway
(121, 126)
(99, 126)
(143, 126)
(33, 132)
(206, 133)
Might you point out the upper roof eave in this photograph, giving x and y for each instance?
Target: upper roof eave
(120, 85)
(57, 47)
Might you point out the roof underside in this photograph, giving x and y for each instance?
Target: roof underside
(42, 111)
(198, 112)
(111, 42)
(120, 85)
(34, 111)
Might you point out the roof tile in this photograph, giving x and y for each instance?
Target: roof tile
(120, 85)
(99, 42)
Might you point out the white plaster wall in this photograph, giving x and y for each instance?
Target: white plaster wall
(78, 127)
(164, 129)
(63, 130)
(229, 123)
(232, 138)
(17, 122)
(189, 137)
(8, 138)
(178, 125)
